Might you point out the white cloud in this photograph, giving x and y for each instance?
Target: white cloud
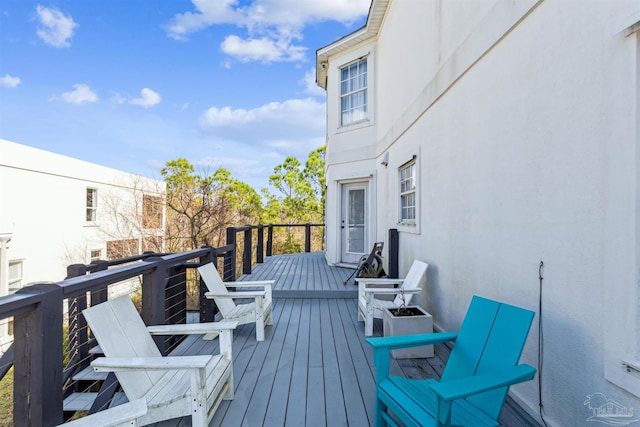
(262, 49)
(310, 86)
(295, 126)
(290, 111)
(148, 98)
(272, 25)
(208, 12)
(9, 81)
(80, 94)
(55, 28)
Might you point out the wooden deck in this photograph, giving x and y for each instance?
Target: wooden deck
(314, 367)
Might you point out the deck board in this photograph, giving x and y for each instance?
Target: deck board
(314, 367)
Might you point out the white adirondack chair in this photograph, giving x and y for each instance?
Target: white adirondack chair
(171, 386)
(258, 311)
(370, 307)
(125, 415)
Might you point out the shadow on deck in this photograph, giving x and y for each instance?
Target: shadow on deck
(314, 367)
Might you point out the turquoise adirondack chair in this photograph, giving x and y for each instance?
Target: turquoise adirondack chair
(474, 384)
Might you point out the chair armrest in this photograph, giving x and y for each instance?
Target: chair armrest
(241, 294)
(113, 364)
(463, 387)
(390, 291)
(112, 417)
(192, 328)
(382, 347)
(406, 341)
(248, 284)
(380, 281)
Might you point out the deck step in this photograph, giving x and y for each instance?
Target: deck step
(90, 374)
(79, 401)
(83, 401)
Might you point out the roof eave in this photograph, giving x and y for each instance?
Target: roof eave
(370, 30)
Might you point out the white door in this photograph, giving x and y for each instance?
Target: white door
(354, 221)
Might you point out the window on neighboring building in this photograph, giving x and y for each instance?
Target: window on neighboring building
(117, 249)
(96, 255)
(152, 244)
(353, 92)
(15, 276)
(92, 204)
(151, 211)
(408, 193)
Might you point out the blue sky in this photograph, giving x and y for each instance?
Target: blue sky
(132, 84)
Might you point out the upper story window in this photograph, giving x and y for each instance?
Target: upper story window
(92, 204)
(408, 193)
(353, 92)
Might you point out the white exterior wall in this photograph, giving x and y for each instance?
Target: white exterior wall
(353, 153)
(43, 206)
(524, 117)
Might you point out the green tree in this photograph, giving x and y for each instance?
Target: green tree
(201, 206)
(295, 194)
(299, 194)
(314, 171)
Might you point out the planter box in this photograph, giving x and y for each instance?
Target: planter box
(420, 322)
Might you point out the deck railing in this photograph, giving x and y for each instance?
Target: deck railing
(260, 249)
(47, 315)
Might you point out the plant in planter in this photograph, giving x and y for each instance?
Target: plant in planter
(408, 320)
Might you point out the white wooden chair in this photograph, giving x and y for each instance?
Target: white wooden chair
(125, 415)
(171, 386)
(258, 311)
(370, 307)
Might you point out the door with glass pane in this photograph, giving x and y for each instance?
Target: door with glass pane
(354, 222)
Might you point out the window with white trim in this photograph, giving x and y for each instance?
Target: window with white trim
(92, 204)
(95, 255)
(353, 93)
(15, 275)
(408, 193)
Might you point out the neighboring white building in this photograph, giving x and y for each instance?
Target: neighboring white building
(495, 135)
(56, 211)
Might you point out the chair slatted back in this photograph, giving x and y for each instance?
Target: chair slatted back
(411, 281)
(211, 278)
(121, 332)
(492, 336)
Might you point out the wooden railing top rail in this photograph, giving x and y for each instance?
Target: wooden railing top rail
(12, 305)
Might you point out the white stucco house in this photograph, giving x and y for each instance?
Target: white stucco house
(495, 136)
(57, 210)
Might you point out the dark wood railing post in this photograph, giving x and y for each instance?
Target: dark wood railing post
(307, 237)
(394, 248)
(229, 269)
(38, 359)
(154, 286)
(270, 240)
(246, 254)
(208, 308)
(260, 248)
